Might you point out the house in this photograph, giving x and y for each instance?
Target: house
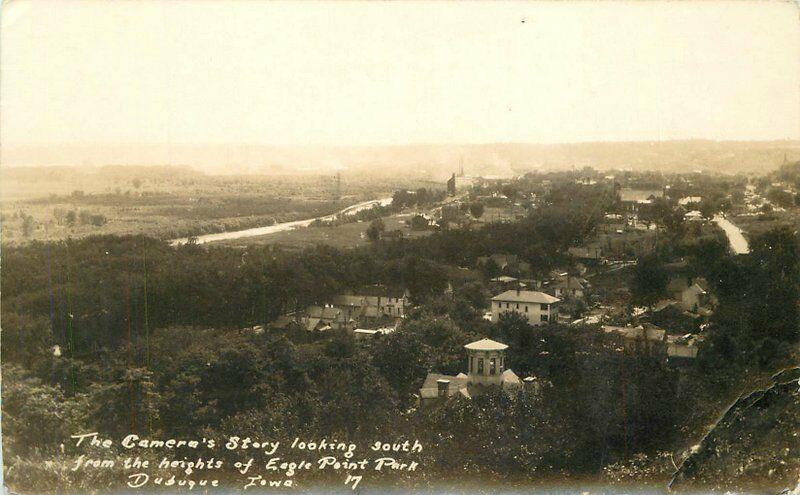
(485, 369)
(693, 216)
(536, 307)
(690, 200)
(574, 287)
(691, 294)
(586, 253)
(647, 335)
(683, 346)
(322, 318)
(633, 199)
(357, 306)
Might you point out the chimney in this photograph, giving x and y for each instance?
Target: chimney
(531, 384)
(441, 387)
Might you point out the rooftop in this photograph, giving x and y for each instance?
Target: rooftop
(636, 195)
(486, 345)
(528, 296)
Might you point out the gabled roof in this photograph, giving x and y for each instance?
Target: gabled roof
(486, 345)
(348, 300)
(510, 378)
(329, 313)
(311, 323)
(430, 389)
(585, 252)
(527, 296)
(695, 288)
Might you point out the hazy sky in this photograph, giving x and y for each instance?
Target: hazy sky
(396, 72)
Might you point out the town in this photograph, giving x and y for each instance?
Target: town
(400, 247)
(620, 310)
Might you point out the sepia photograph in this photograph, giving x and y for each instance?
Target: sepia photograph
(400, 247)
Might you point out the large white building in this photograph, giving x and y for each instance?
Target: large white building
(537, 307)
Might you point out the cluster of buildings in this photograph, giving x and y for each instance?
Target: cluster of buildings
(487, 369)
(364, 315)
(676, 347)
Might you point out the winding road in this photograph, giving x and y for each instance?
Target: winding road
(736, 238)
(281, 227)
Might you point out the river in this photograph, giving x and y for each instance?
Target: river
(280, 227)
(736, 238)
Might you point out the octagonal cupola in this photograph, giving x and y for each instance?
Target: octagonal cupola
(486, 361)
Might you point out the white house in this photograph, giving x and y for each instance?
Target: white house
(537, 307)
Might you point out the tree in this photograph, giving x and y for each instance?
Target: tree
(85, 217)
(490, 268)
(71, 217)
(402, 359)
(708, 207)
(649, 281)
(28, 224)
(780, 197)
(418, 222)
(376, 230)
(98, 220)
(476, 209)
(475, 294)
(59, 214)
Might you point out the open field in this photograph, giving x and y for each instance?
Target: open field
(166, 202)
(341, 236)
(756, 225)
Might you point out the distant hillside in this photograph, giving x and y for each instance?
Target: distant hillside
(433, 160)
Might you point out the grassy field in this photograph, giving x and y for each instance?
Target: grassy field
(166, 202)
(340, 236)
(758, 224)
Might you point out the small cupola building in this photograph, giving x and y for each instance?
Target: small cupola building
(486, 367)
(486, 361)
